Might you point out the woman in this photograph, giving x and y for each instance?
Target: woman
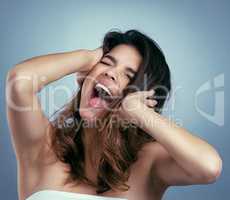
(110, 140)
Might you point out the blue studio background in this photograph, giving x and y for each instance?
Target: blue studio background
(194, 36)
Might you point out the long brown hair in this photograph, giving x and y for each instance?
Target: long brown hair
(120, 143)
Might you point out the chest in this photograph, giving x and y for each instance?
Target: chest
(142, 185)
(140, 181)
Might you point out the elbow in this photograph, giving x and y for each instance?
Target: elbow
(18, 82)
(13, 71)
(10, 74)
(213, 171)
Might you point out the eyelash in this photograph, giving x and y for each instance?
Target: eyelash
(104, 63)
(109, 65)
(129, 77)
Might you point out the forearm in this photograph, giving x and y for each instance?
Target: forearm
(192, 153)
(39, 71)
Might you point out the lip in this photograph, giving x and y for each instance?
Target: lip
(103, 81)
(108, 83)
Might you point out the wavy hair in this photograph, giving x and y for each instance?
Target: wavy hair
(120, 143)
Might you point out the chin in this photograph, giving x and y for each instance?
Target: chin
(96, 101)
(87, 115)
(92, 115)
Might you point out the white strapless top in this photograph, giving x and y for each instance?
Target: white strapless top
(61, 195)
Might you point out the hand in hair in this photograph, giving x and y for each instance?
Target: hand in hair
(96, 55)
(134, 104)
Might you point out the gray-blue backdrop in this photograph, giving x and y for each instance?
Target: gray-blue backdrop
(193, 34)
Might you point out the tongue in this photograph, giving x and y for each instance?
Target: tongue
(97, 102)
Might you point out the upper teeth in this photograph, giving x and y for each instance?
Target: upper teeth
(99, 85)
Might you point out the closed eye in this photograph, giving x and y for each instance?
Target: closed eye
(108, 64)
(105, 63)
(130, 77)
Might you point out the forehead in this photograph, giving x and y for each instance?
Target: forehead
(126, 55)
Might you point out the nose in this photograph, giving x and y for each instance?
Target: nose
(110, 75)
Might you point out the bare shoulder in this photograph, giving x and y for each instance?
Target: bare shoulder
(148, 156)
(154, 149)
(153, 152)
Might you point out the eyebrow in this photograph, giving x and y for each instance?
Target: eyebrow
(115, 62)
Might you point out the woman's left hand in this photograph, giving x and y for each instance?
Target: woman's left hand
(134, 104)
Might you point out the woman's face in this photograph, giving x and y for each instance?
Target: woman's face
(112, 74)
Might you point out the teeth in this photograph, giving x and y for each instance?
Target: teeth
(99, 85)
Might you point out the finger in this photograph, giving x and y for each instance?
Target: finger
(151, 103)
(143, 92)
(81, 76)
(151, 92)
(147, 94)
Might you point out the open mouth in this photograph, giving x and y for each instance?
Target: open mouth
(101, 96)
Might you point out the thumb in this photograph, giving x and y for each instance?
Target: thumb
(81, 77)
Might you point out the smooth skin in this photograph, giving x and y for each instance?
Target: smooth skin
(176, 158)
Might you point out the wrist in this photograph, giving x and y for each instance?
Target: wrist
(90, 57)
(144, 116)
(96, 55)
(83, 60)
(136, 115)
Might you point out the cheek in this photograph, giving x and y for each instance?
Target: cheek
(124, 81)
(127, 85)
(91, 76)
(96, 71)
(123, 86)
(98, 68)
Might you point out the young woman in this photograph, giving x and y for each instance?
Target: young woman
(110, 141)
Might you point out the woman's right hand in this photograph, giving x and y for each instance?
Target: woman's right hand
(94, 56)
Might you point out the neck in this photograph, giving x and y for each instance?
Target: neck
(92, 152)
(92, 145)
(92, 140)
